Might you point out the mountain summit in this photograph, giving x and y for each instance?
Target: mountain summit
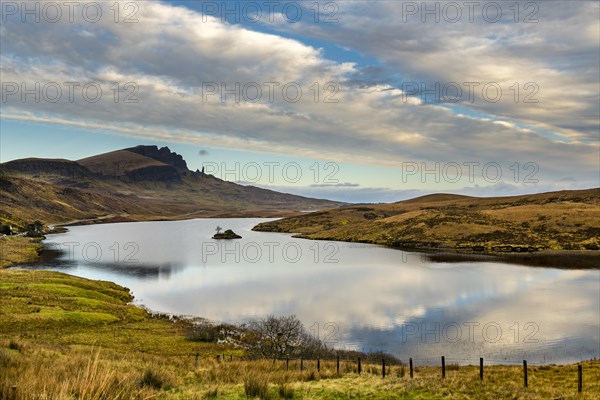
(164, 155)
(137, 183)
(140, 163)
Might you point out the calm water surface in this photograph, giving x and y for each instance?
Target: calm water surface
(353, 296)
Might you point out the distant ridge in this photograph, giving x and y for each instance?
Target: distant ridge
(431, 198)
(45, 167)
(137, 183)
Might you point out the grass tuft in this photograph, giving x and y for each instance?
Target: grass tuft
(13, 345)
(286, 391)
(152, 379)
(256, 386)
(211, 393)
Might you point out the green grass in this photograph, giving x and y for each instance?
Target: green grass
(62, 309)
(18, 249)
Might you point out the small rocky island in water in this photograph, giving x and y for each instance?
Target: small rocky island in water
(228, 234)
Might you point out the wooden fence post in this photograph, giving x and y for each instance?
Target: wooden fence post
(318, 365)
(337, 364)
(197, 355)
(359, 366)
(579, 378)
(443, 367)
(480, 368)
(383, 367)
(410, 366)
(301, 363)
(525, 372)
(287, 364)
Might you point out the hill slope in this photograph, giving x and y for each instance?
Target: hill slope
(566, 220)
(118, 163)
(138, 183)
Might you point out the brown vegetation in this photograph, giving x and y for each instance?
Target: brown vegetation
(567, 220)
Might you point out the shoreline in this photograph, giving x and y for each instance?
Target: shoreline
(15, 250)
(112, 219)
(560, 259)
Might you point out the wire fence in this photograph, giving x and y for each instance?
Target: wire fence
(357, 365)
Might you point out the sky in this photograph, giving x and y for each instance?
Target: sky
(357, 101)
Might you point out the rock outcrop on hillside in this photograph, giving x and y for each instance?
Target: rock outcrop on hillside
(155, 173)
(164, 154)
(138, 183)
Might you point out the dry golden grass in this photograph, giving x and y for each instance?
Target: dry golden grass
(43, 372)
(568, 220)
(118, 162)
(36, 372)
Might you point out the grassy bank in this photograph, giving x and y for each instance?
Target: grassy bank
(18, 249)
(59, 309)
(63, 337)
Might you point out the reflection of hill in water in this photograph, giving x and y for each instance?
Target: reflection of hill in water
(142, 271)
(58, 260)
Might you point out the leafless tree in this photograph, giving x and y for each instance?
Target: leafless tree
(279, 337)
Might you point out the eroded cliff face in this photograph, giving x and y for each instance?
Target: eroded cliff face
(164, 154)
(139, 183)
(159, 173)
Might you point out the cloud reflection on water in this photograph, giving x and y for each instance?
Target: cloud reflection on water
(373, 294)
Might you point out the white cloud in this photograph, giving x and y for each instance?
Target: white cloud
(561, 61)
(171, 52)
